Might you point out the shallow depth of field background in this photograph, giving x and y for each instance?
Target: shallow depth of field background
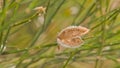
(28, 42)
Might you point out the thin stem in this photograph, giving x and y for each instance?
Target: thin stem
(99, 53)
(68, 60)
(87, 13)
(5, 40)
(1, 24)
(46, 22)
(80, 11)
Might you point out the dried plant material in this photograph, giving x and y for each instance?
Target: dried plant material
(41, 19)
(70, 37)
(40, 10)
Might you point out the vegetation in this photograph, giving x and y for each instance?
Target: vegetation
(28, 42)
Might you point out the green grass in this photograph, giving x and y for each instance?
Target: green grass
(30, 44)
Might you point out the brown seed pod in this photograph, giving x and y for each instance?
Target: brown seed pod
(70, 37)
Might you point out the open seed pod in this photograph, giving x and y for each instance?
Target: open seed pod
(70, 37)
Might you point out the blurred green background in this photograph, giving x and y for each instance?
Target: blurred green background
(28, 40)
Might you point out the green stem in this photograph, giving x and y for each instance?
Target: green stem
(1, 24)
(86, 14)
(99, 53)
(68, 60)
(5, 40)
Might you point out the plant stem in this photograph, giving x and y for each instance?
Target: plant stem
(68, 60)
(99, 53)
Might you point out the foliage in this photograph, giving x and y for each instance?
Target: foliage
(25, 42)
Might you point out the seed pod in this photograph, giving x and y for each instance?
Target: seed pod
(70, 37)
